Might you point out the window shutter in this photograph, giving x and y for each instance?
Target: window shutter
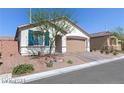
(30, 37)
(47, 39)
(40, 38)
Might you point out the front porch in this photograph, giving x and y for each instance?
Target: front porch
(113, 43)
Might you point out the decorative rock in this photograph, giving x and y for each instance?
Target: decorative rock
(60, 60)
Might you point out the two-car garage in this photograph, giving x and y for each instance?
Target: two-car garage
(75, 44)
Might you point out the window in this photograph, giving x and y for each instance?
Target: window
(47, 39)
(30, 38)
(35, 37)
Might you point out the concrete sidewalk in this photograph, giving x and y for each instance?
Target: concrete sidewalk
(55, 72)
(109, 73)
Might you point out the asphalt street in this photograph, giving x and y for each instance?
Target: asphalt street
(108, 73)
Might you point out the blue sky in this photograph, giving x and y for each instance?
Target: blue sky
(92, 20)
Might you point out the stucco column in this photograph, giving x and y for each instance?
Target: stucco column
(108, 41)
(64, 44)
(43, 40)
(87, 45)
(116, 42)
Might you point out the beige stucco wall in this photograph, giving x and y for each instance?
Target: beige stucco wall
(122, 45)
(119, 46)
(99, 42)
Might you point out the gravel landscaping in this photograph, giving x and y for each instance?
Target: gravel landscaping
(39, 63)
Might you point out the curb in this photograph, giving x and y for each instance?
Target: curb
(55, 72)
(3, 77)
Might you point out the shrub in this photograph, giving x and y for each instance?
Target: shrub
(23, 69)
(91, 50)
(70, 62)
(1, 63)
(111, 51)
(39, 54)
(115, 53)
(0, 54)
(107, 52)
(49, 64)
(11, 55)
(101, 51)
(94, 49)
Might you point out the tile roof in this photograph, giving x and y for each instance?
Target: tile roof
(98, 34)
(26, 26)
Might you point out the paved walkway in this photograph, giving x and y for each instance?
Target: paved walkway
(90, 56)
(109, 73)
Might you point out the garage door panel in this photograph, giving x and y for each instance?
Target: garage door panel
(75, 46)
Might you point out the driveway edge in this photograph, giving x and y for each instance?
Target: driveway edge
(55, 72)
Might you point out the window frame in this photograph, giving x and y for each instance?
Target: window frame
(47, 38)
(34, 44)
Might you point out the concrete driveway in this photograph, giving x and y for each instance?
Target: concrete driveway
(109, 73)
(91, 56)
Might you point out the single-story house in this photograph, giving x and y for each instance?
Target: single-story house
(103, 40)
(76, 41)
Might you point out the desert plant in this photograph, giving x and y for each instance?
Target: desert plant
(91, 50)
(39, 54)
(101, 51)
(46, 58)
(49, 64)
(0, 55)
(54, 59)
(1, 63)
(94, 49)
(111, 51)
(107, 52)
(23, 69)
(115, 53)
(70, 62)
(11, 55)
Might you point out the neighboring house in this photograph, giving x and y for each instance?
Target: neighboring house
(29, 44)
(102, 40)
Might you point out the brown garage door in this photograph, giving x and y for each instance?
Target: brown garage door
(74, 46)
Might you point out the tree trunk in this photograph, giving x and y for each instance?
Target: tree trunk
(51, 47)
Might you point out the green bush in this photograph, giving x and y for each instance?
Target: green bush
(49, 64)
(23, 69)
(115, 53)
(70, 62)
